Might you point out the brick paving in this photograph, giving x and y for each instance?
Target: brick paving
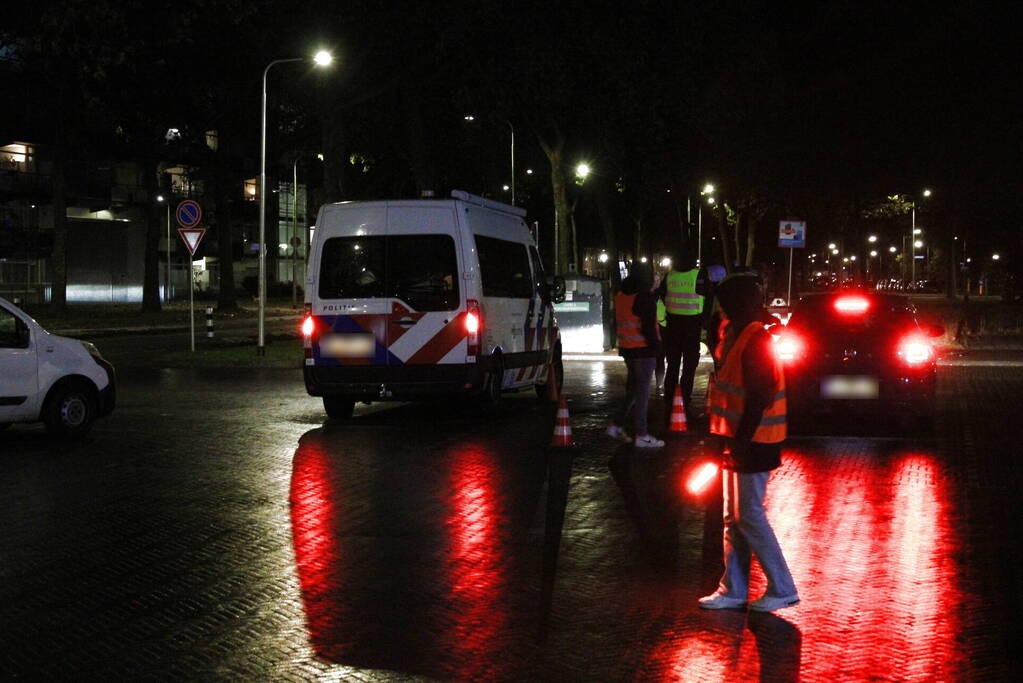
(213, 530)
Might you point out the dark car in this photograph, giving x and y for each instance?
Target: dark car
(852, 352)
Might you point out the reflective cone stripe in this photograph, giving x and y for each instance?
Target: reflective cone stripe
(562, 428)
(678, 413)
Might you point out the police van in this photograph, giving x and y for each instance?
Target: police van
(409, 299)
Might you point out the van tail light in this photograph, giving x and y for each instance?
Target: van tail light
(915, 350)
(473, 326)
(308, 329)
(789, 347)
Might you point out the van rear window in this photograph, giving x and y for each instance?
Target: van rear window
(420, 270)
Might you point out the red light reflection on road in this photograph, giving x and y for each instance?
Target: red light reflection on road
(869, 539)
(476, 565)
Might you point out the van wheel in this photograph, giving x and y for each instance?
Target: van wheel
(492, 390)
(70, 410)
(338, 407)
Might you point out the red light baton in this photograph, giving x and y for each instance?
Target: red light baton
(701, 477)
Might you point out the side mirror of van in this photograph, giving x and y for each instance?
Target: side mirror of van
(556, 285)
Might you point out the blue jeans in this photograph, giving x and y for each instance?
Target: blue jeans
(637, 393)
(748, 532)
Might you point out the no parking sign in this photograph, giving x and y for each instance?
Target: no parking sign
(188, 213)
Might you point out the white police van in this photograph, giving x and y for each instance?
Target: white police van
(43, 377)
(409, 299)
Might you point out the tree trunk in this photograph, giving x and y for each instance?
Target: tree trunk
(559, 188)
(751, 237)
(607, 224)
(227, 298)
(58, 260)
(151, 258)
(739, 216)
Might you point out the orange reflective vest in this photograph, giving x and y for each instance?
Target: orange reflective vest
(629, 327)
(727, 395)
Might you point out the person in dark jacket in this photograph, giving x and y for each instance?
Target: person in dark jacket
(639, 344)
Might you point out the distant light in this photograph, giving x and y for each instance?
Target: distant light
(969, 260)
(819, 273)
(918, 244)
(708, 189)
(529, 171)
(873, 252)
(995, 257)
(845, 259)
(323, 58)
(834, 251)
(643, 260)
(469, 117)
(917, 231)
(853, 257)
(159, 198)
(665, 262)
(668, 191)
(831, 245)
(892, 249)
(927, 193)
(505, 188)
(582, 170)
(872, 239)
(320, 157)
(710, 200)
(603, 257)
(172, 134)
(252, 189)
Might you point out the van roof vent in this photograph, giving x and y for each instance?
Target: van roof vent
(488, 203)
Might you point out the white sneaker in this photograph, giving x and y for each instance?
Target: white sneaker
(718, 600)
(648, 441)
(769, 604)
(616, 432)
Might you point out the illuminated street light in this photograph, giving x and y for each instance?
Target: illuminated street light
(995, 257)
(853, 257)
(708, 189)
(505, 188)
(321, 59)
(643, 260)
(917, 231)
(872, 239)
(845, 259)
(603, 257)
(832, 246)
(918, 243)
(834, 251)
(711, 200)
(927, 193)
(469, 117)
(529, 171)
(665, 262)
(892, 249)
(873, 253)
(582, 170)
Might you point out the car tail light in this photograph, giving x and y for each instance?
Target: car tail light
(852, 305)
(789, 347)
(915, 350)
(473, 326)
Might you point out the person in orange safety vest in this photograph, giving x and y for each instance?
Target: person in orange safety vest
(747, 407)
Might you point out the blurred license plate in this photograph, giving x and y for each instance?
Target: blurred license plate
(849, 386)
(348, 345)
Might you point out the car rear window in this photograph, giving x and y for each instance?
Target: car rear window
(882, 314)
(420, 270)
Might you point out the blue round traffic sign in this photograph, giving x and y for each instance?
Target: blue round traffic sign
(188, 213)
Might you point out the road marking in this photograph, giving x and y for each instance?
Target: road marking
(981, 363)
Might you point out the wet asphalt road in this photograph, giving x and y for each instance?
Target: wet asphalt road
(217, 527)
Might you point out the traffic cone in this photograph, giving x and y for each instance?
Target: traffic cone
(552, 384)
(562, 428)
(678, 413)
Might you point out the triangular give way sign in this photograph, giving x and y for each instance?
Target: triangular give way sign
(191, 237)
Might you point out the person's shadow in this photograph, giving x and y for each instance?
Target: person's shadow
(779, 644)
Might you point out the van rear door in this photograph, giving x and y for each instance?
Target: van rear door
(424, 263)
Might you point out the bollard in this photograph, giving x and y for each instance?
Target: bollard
(209, 323)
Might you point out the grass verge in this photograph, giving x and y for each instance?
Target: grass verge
(279, 354)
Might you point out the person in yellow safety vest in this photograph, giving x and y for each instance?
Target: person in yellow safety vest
(747, 409)
(682, 292)
(639, 345)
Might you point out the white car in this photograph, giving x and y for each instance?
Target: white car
(62, 382)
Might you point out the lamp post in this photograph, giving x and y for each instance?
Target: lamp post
(166, 284)
(708, 190)
(912, 238)
(322, 58)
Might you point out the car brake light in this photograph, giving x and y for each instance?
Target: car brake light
(852, 305)
(914, 351)
(788, 347)
(473, 326)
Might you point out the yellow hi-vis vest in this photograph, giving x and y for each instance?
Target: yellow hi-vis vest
(662, 317)
(628, 324)
(727, 395)
(681, 297)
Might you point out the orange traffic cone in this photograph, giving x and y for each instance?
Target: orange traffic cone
(678, 413)
(552, 384)
(562, 428)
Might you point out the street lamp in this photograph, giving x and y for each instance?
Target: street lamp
(322, 59)
(872, 239)
(995, 257)
(708, 192)
(912, 259)
(166, 285)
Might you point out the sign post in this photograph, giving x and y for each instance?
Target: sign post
(791, 234)
(188, 214)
